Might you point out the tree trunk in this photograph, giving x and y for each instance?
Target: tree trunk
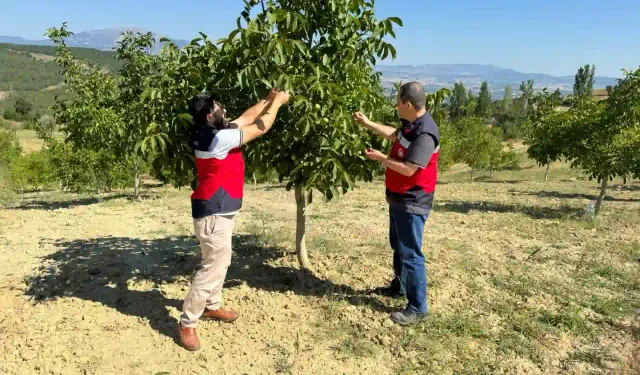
(472, 170)
(255, 180)
(136, 180)
(301, 222)
(603, 193)
(546, 173)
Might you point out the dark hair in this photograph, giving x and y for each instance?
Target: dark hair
(200, 106)
(413, 92)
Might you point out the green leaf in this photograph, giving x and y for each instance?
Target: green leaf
(301, 46)
(326, 60)
(393, 50)
(396, 20)
(280, 53)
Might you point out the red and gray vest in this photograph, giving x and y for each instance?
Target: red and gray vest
(414, 194)
(220, 176)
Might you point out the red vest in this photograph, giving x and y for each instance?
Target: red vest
(424, 178)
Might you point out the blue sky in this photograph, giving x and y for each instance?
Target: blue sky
(543, 36)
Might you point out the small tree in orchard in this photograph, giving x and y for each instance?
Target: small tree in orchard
(548, 131)
(139, 64)
(45, 127)
(323, 52)
(104, 113)
(476, 143)
(608, 136)
(182, 74)
(89, 119)
(492, 157)
(599, 138)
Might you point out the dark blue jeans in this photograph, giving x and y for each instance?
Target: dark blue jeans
(405, 236)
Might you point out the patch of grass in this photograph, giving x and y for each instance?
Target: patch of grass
(354, 341)
(609, 273)
(525, 324)
(359, 347)
(568, 320)
(512, 342)
(284, 364)
(519, 285)
(601, 357)
(631, 252)
(458, 323)
(322, 244)
(614, 307)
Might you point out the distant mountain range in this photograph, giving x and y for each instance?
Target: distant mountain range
(103, 39)
(436, 76)
(433, 76)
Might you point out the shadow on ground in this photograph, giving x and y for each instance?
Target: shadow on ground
(54, 205)
(101, 269)
(77, 202)
(561, 195)
(535, 212)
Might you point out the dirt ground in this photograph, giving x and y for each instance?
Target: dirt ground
(519, 283)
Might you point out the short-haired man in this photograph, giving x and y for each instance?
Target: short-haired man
(411, 174)
(220, 167)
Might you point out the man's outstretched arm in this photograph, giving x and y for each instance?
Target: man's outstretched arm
(252, 114)
(384, 131)
(265, 122)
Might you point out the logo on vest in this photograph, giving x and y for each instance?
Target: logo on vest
(400, 153)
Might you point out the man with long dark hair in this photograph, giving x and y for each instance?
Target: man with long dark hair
(216, 143)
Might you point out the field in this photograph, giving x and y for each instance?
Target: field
(519, 283)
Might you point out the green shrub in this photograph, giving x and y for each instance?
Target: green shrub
(9, 151)
(81, 170)
(45, 127)
(31, 124)
(510, 160)
(448, 146)
(10, 114)
(33, 171)
(9, 147)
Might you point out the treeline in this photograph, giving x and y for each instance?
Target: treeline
(601, 138)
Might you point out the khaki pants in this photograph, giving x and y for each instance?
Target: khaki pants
(214, 234)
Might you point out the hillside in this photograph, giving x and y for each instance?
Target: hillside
(30, 72)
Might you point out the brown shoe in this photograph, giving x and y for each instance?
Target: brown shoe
(189, 338)
(221, 315)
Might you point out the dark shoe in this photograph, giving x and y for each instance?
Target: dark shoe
(189, 338)
(407, 317)
(221, 315)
